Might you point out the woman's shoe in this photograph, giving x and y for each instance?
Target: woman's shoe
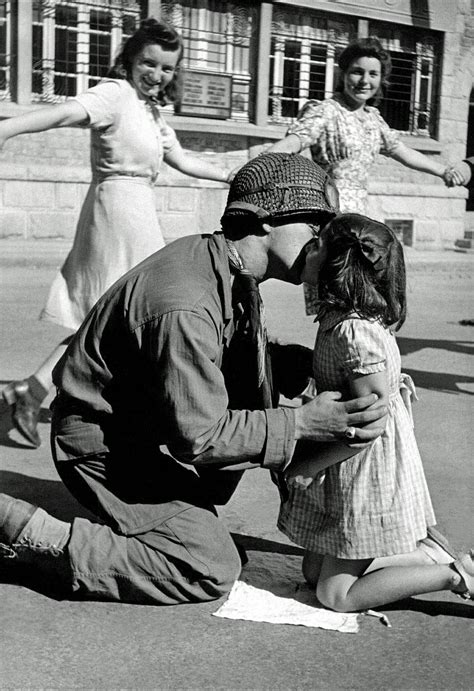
(465, 568)
(25, 410)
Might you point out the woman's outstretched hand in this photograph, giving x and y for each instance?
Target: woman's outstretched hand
(456, 175)
(327, 418)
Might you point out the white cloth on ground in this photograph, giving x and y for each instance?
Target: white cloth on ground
(255, 604)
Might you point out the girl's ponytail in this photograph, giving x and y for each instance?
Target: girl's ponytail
(364, 271)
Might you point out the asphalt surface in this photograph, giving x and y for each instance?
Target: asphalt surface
(50, 642)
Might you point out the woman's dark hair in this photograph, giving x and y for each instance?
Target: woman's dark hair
(151, 32)
(364, 270)
(365, 48)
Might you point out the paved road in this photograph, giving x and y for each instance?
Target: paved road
(47, 642)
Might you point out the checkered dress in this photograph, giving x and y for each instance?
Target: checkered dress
(376, 503)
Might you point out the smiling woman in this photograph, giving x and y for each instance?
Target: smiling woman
(118, 226)
(152, 70)
(362, 82)
(345, 133)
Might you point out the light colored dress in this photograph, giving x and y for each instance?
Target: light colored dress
(118, 225)
(346, 147)
(376, 503)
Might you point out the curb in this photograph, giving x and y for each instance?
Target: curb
(33, 253)
(51, 253)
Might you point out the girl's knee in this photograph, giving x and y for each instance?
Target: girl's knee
(331, 597)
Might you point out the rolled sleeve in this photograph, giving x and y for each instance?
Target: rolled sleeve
(280, 438)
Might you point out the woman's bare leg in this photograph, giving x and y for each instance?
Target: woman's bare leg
(312, 563)
(44, 373)
(346, 585)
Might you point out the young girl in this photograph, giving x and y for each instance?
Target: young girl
(364, 522)
(118, 226)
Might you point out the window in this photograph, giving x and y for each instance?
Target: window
(410, 102)
(302, 59)
(218, 37)
(303, 65)
(74, 43)
(5, 51)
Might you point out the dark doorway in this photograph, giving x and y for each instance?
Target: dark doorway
(470, 146)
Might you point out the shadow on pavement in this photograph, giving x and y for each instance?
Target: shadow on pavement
(437, 381)
(51, 495)
(412, 345)
(258, 544)
(23, 576)
(433, 608)
(440, 381)
(54, 497)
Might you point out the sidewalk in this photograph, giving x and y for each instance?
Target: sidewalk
(54, 643)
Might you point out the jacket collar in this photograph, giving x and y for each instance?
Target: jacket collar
(220, 263)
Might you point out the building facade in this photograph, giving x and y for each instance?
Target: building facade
(249, 66)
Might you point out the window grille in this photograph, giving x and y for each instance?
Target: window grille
(410, 103)
(302, 59)
(218, 37)
(74, 43)
(5, 48)
(470, 150)
(303, 65)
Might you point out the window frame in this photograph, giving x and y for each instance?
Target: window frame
(235, 50)
(335, 32)
(6, 22)
(46, 25)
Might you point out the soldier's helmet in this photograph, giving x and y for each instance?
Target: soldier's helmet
(282, 186)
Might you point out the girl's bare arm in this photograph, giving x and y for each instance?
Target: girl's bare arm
(310, 458)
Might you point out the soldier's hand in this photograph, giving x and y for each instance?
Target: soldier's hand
(327, 418)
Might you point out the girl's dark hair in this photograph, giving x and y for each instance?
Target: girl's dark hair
(364, 270)
(365, 48)
(151, 32)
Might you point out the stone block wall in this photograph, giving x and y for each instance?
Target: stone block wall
(44, 177)
(42, 189)
(436, 212)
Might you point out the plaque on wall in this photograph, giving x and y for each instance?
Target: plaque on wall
(206, 95)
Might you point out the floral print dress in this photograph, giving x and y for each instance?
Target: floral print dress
(345, 145)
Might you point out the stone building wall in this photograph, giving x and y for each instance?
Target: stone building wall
(438, 213)
(44, 177)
